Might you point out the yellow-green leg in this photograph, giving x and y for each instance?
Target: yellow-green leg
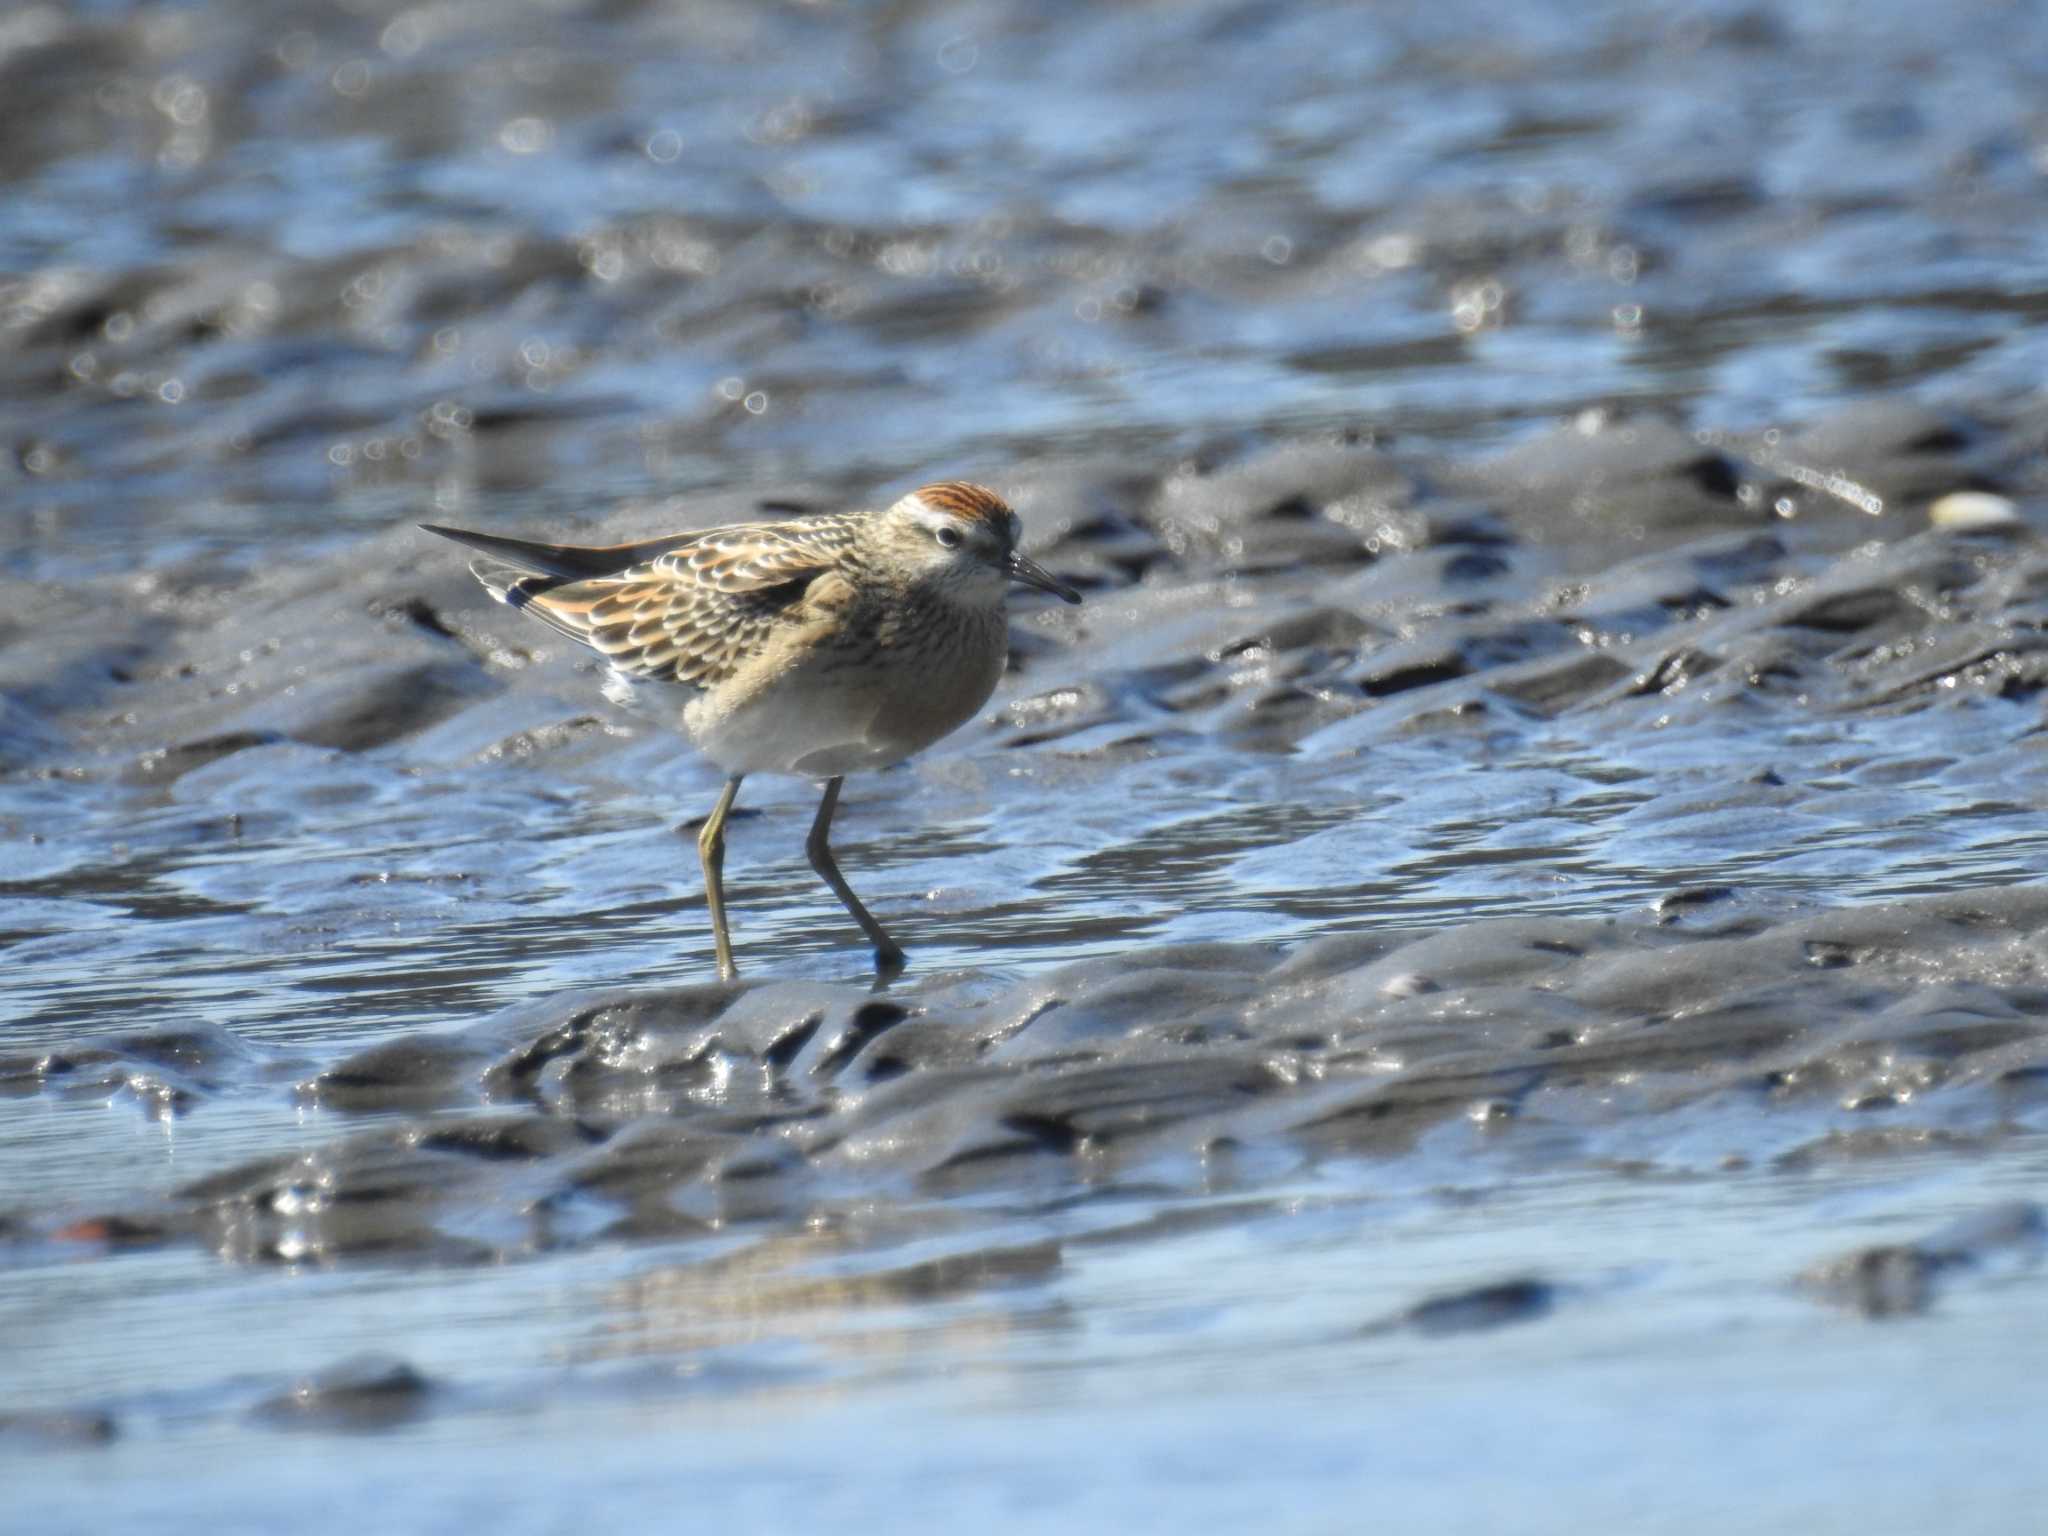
(888, 953)
(711, 854)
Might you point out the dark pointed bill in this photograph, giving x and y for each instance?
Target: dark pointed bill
(1032, 574)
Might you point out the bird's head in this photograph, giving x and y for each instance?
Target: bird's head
(964, 538)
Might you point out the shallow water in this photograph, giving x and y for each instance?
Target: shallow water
(1209, 1369)
(1530, 797)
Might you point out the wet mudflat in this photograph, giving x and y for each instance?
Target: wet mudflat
(1500, 947)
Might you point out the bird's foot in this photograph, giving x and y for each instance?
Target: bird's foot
(889, 965)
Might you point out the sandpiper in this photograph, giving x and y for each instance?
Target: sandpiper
(818, 646)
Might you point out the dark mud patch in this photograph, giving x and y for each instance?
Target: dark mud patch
(1902, 1279)
(359, 1396)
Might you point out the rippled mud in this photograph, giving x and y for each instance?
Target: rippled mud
(1501, 947)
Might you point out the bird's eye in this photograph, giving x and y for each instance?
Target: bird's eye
(949, 538)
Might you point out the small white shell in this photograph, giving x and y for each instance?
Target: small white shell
(1973, 509)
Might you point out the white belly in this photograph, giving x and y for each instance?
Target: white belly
(820, 721)
(819, 737)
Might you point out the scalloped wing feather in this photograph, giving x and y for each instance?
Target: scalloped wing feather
(695, 614)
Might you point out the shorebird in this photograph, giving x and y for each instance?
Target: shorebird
(819, 646)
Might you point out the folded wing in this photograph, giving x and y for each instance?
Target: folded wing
(686, 609)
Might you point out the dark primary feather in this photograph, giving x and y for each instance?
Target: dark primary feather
(569, 562)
